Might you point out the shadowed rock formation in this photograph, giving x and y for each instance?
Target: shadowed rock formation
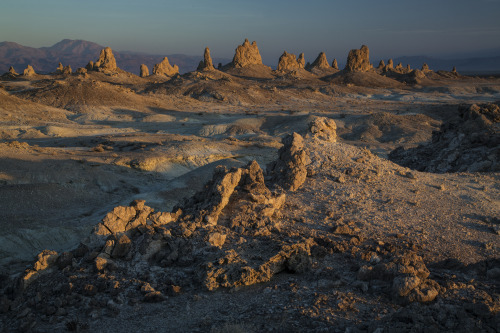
(358, 60)
(144, 71)
(90, 66)
(246, 54)
(471, 144)
(381, 64)
(12, 71)
(425, 67)
(335, 65)
(301, 61)
(206, 64)
(288, 62)
(29, 71)
(164, 68)
(289, 171)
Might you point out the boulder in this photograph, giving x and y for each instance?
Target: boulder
(29, 71)
(206, 64)
(144, 71)
(335, 65)
(106, 61)
(164, 68)
(81, 70)
(246, 54)
(359, 60)
(324, 129)
(288, 62)
(301, 61)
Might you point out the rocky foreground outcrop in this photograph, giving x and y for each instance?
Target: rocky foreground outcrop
(246, 54)
(206, 64)
(164, 68)
(471, 143)
(244, 227)
(359, 60)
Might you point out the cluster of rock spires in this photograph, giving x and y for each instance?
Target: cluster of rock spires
(471, 143)
(247, 54)
(164, 68)
(64, 70)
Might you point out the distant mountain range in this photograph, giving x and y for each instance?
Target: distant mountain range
(78, 53)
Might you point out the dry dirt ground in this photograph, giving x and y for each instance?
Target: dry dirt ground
(363, 245)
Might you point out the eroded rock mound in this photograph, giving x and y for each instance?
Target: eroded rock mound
(144, 71)
(321, 62)
(323, 128)
(288, 62)
(206, 64)
(290, 171)
(406, 274)
(247, 54)
(106, 61)
(164, 68)
(471, 143)
(359, 60)
(29, 71)
(381, 64)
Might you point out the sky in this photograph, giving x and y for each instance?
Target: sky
(390, 28)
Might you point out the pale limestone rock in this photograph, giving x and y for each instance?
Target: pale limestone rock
(144, 70)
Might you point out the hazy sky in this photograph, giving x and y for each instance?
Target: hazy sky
(390, 28)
